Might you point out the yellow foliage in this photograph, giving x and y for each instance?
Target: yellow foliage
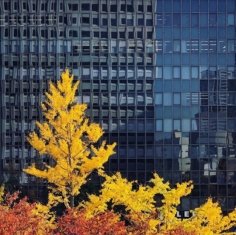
(67, 137)
(1, 193)
(140, 203)
(208, 219)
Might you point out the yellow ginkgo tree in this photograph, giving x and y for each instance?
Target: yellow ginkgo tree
(146, 217)
(140, 203)
(68, 138)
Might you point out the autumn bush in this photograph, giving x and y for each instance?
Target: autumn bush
(74, 221)
(18, 217)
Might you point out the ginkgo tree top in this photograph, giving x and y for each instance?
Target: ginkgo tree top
(68, 137)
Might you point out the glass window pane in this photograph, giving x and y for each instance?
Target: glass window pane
(167, 6)
(167, 125)
(185, 101)
(176, 98)
(230, 19)
(186, 5)
(195, 5)
(177, 5)
(231, 5)
(176, 125)
(167, 99)
(158, 85)
(159, 19)
(186, 33)
(159, 33)
(213, 5)
(185, 73)
(158, 125)
(194, 125)
(176, 19)
(158, 98)
(194, 72)
(168, 46)
(185, 46)
(212, 46)
(176, 72)
(194, 45)
(159, 72)
(221, 45)
(203, 19)
(204, 6)
(186, 125)
(176, 45)
(167, 73)
(231, 45)
(221, 19)
(212, 19)
(185, 20)
(194, 19)
(167, 19)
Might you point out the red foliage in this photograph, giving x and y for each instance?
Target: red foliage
(17, 218)
(75, 222)
(141, 225)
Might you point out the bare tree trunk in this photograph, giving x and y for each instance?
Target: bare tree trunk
(72, 202)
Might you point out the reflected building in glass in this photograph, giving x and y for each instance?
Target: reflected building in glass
(195, 98)
(158, 75)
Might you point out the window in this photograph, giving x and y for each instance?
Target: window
(95, 7)
(113, 18)
(176, 45)
(221, 19)
(185, 20)
(176, 125)
(104, 20)
(130, 20)
(194, 19)
(85, 19)
(158, 125)
(140, 19)
(168, 46)
(176, 98)
(204, 19)
(176, 19)
(176, 72)
(167, 73)
(167, 19)
(185, 73)
(221, 46)
(158, 99)
(149, 20)
(231, 45)
(84, 7)
(95, 18)
(113, 6)
(159, 20)
(231, 19)
(186, 125)
(167, 125)
(44, 6)
(167, 99)
(74, 7)
(212, 19)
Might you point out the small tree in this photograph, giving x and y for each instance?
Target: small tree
(68, 138)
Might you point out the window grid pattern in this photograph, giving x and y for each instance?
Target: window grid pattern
(194, 97)
(159, 76)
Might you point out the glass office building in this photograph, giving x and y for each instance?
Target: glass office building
(158, 75)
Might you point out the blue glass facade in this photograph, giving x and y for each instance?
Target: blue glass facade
(195, 97)
(158, 75)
